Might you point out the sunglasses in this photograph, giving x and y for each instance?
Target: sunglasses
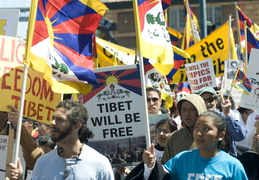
(152, 99)
(164, 131)
(209, 100)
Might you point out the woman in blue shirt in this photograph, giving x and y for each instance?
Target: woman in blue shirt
(208, 161)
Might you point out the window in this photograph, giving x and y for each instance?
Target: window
(214, 15)
(176, 19)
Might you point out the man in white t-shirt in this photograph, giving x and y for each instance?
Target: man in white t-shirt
(71, 159)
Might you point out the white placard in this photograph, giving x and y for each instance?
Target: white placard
(251, 101)
(200, 74)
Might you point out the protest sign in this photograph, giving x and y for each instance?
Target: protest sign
(116, 114)
(214, 46)
(200, 74)
(3, 155)
(40, 100)
(230, 69)
(251, 101)
(9, 19)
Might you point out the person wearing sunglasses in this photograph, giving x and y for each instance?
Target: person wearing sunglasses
(210, 98)
(154, 100)
(236, 131)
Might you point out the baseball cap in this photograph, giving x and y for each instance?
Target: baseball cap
(207, 89)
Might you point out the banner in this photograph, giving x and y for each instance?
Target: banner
(251, 101)
(230, 70)
(40, 100)
(116, 114)
(214, 46)
(200, 74)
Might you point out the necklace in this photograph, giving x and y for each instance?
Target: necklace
(60, 152)
(70, 163)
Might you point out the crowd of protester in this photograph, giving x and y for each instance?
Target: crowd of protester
(208, 115)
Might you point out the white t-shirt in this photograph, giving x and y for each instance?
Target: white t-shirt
(89, 165)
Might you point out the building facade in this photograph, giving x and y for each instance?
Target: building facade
(121, 13)
(218, 12)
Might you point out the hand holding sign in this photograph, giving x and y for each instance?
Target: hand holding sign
(149, 157)
(225, 105)
(15, 172)
(13, 116)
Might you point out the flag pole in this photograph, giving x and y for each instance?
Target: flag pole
(184, 38)
(142, 78)
(11, 134)
(141, 67)
(233, 80)
(31, 26)
(229, 29)
(229, 57)
(19, 123)
(238, 25)
(190, 21)
(246, 53)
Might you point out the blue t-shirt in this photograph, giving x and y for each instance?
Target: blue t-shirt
(189, 165)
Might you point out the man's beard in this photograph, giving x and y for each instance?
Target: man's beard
(62, 134)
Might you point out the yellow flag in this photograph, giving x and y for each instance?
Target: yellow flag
(110, 54)
(214, 46)
(153, 39)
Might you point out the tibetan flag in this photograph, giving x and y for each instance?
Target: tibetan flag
(179, 58)
(254, 28)
(187, 36)
(184, 89)
(252, 42)
(60, 37)
(242, 83)
(152, 35)
(174, 36)
(193, 26)
(156, 80)
(166, 4)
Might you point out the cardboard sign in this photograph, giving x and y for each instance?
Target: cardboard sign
(200, 74)
(116, 114)
(251, 101)
(230, 69)
(40, 100)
